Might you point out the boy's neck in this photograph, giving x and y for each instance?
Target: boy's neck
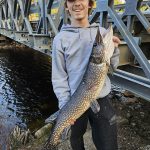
(80, 23)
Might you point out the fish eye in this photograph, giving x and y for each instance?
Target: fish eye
(95, 44)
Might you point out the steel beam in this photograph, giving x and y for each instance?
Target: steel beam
(11, 9)
(24, 17)
(43, 18)
(132, 8)
(59, 17)
(0, 17)
(130, 41)
(136, 84)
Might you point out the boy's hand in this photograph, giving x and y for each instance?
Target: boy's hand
(72, 122)
(116, 41)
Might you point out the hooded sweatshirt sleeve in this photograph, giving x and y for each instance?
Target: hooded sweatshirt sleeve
(59, 74)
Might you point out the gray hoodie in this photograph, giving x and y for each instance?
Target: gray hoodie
(71, 51)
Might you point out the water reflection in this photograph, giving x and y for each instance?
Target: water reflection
(26, 95)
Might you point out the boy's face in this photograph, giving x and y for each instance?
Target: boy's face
(78, 9)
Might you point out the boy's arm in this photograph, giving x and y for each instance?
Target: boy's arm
(59, 75)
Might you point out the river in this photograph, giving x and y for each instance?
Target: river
(26, 94)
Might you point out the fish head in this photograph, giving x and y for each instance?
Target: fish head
(97, 54)
(103, 47)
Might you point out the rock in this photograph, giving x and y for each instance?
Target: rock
(118, 89)
(131, 107)
(142, 114)
(122, 121)
(131, 100)
(128, 115)
(133, 124)
(118, 95)
(145, 148)
(137, 106)
(123, 99)
(128, 94)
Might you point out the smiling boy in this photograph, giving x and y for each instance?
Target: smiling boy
(72, 47)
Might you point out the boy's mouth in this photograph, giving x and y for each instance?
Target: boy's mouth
(77, 10)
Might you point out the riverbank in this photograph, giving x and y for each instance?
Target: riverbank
(11, 45)
(133, 125)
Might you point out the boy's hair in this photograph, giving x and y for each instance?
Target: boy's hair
(91, 3)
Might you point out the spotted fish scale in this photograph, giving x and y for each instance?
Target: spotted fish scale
(88, 90)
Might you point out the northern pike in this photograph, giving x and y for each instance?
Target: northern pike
(89, 88)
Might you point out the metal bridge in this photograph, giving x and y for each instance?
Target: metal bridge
(35, 23)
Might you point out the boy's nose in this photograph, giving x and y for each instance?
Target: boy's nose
(77, 2)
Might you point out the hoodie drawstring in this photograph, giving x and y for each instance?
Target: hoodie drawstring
(90, 35)
(79, 32)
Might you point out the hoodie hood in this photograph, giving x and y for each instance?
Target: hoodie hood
(70, 28)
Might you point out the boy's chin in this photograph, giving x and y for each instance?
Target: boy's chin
(79, 18)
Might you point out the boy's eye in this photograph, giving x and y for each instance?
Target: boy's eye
(75, 0)
(70, 0)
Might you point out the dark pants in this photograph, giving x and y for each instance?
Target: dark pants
(103, 124)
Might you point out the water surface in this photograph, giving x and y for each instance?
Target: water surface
(26, 94)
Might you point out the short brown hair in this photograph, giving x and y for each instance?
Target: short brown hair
(91, 3)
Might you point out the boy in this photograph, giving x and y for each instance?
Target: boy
(72, 47)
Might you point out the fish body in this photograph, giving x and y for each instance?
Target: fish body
(89, 88)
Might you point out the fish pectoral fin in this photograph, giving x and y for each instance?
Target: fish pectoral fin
(95, 106)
